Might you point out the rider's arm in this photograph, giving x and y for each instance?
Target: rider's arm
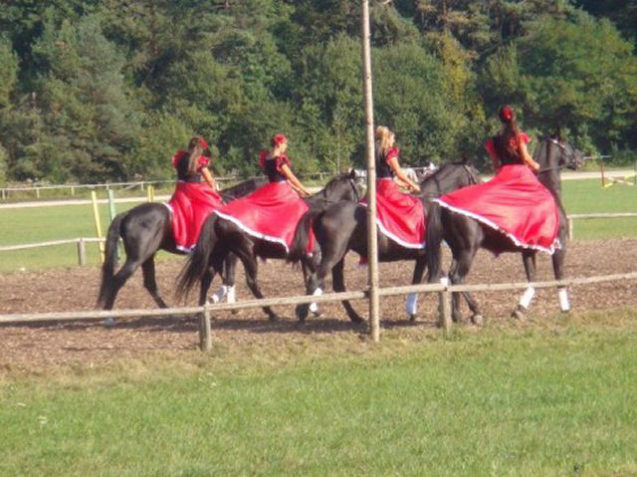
(296, 184)
(393, 163)
(527, 159)
(207, 175)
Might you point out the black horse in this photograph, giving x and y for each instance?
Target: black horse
(466, 235)
(220, 237)
(146, 229)
(343, 227)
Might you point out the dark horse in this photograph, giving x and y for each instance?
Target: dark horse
(220, 236)
(343, 227)
(145, 229)
(465, 235)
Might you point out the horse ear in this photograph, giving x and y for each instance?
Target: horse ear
(351, 173)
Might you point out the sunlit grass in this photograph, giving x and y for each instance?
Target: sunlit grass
(557, 399)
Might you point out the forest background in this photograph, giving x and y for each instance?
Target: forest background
(107, 90)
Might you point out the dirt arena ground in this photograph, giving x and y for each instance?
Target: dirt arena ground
(36, 346)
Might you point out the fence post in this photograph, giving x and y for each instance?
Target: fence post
(445, 307)
(205, 334)
(81, 252)
(98, 226)
(4, 196)
(569, 222)
(37, 192)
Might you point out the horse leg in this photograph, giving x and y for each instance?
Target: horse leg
(412, 298)
(528, 258)
(558, 269)
(313, 286)
(251, 268)
(460, 268)
(148, 269)
(338, 283)
(117, 282)
(227, 289)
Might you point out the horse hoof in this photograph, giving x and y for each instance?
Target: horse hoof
(357, 320)
(109, 322)
(274, 318)
(412, 317)
(317, 314)
(302, 312)
(518, 314)
(477, 319)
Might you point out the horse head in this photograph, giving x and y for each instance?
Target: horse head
(554, 153)
(449, 177)
(345, 186)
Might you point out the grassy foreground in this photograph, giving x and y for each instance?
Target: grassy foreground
(528, 400)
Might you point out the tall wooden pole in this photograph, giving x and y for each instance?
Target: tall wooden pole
(372, 243)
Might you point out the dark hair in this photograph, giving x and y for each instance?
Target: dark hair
(504, 146)
(196, 147)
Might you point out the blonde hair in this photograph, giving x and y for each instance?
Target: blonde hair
(383, 139)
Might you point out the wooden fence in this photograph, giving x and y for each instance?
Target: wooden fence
(205, 335)
(573, 217)
(81, 242)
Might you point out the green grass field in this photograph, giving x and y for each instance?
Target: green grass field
(558, 399)
(19, 226)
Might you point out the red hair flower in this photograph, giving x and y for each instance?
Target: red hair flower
(203, 143)
(506, 114)
(278, 139)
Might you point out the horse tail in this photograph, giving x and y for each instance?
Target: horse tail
(302, 235)
(110, 257)
(434, 241)
(199, 258)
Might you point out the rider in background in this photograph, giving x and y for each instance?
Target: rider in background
(273, 211)
(400, 216)
(195, 196)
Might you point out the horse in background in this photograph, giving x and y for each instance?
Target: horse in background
(220, 237)
(465, 235)
(343, 227)
(144, 230)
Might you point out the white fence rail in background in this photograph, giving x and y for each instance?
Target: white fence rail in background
(81, 242)
(37, 189)
(205, 334)
(616, 215)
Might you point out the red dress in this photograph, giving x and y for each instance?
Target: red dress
(191, 203)
(514, 202)
(399, 216)
(271, 212)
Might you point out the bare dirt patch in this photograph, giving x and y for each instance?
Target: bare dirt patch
(37, 346)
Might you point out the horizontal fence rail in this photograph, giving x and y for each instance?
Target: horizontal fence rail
(616, 215)
(37, 189)
(207, 310)
(571, 218)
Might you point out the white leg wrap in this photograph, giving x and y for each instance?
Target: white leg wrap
(444, 281)
(565, 305)
(231, 295)
(219, 295)
(412, 304)
(314, 306)
(526, 298)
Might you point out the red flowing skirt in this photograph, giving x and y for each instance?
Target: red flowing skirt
(513, 202)
(271, 213)
(191, 204)
(399, 216)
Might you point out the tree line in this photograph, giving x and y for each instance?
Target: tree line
(103, 90)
